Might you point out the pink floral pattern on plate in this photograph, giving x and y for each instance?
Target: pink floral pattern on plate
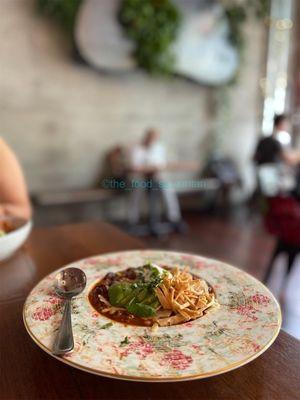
(246, 322)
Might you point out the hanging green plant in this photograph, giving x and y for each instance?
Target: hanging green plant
(65, 11)
(237, 12)
(153, 26)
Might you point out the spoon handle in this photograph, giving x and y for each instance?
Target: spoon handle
(64, 341)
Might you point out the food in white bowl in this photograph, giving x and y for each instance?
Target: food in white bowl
(13, 233)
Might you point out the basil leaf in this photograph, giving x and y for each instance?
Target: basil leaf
(106, 326)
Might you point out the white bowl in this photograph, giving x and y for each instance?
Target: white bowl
(13, 240)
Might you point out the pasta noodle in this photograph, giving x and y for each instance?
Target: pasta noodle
(186, 296)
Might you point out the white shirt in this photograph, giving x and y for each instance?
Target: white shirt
(152, 156)
(284, 138)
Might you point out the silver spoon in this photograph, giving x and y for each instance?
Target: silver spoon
(69, 283)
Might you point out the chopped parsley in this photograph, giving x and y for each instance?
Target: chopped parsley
(106, 326)
(124, 342)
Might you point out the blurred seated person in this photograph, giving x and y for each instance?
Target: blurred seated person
(147, 162)
(14, 200)
(116, 164)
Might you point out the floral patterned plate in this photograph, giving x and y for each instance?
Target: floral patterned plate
(244, 325)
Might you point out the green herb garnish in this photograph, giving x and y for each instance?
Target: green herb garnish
(106, 326)
(124, 342)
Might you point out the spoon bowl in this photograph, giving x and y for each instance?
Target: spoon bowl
(70, 282)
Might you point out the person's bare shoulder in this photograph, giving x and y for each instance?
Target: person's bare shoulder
(7, 156)
(4, 157)
(4, 148)
(3, 144)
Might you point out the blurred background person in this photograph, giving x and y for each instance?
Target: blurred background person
(115, 164)
(277, 161)
(147, 162)
(14, 200)
(277, 147)
(279, 187)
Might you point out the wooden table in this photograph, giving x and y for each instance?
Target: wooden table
(29, 373)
